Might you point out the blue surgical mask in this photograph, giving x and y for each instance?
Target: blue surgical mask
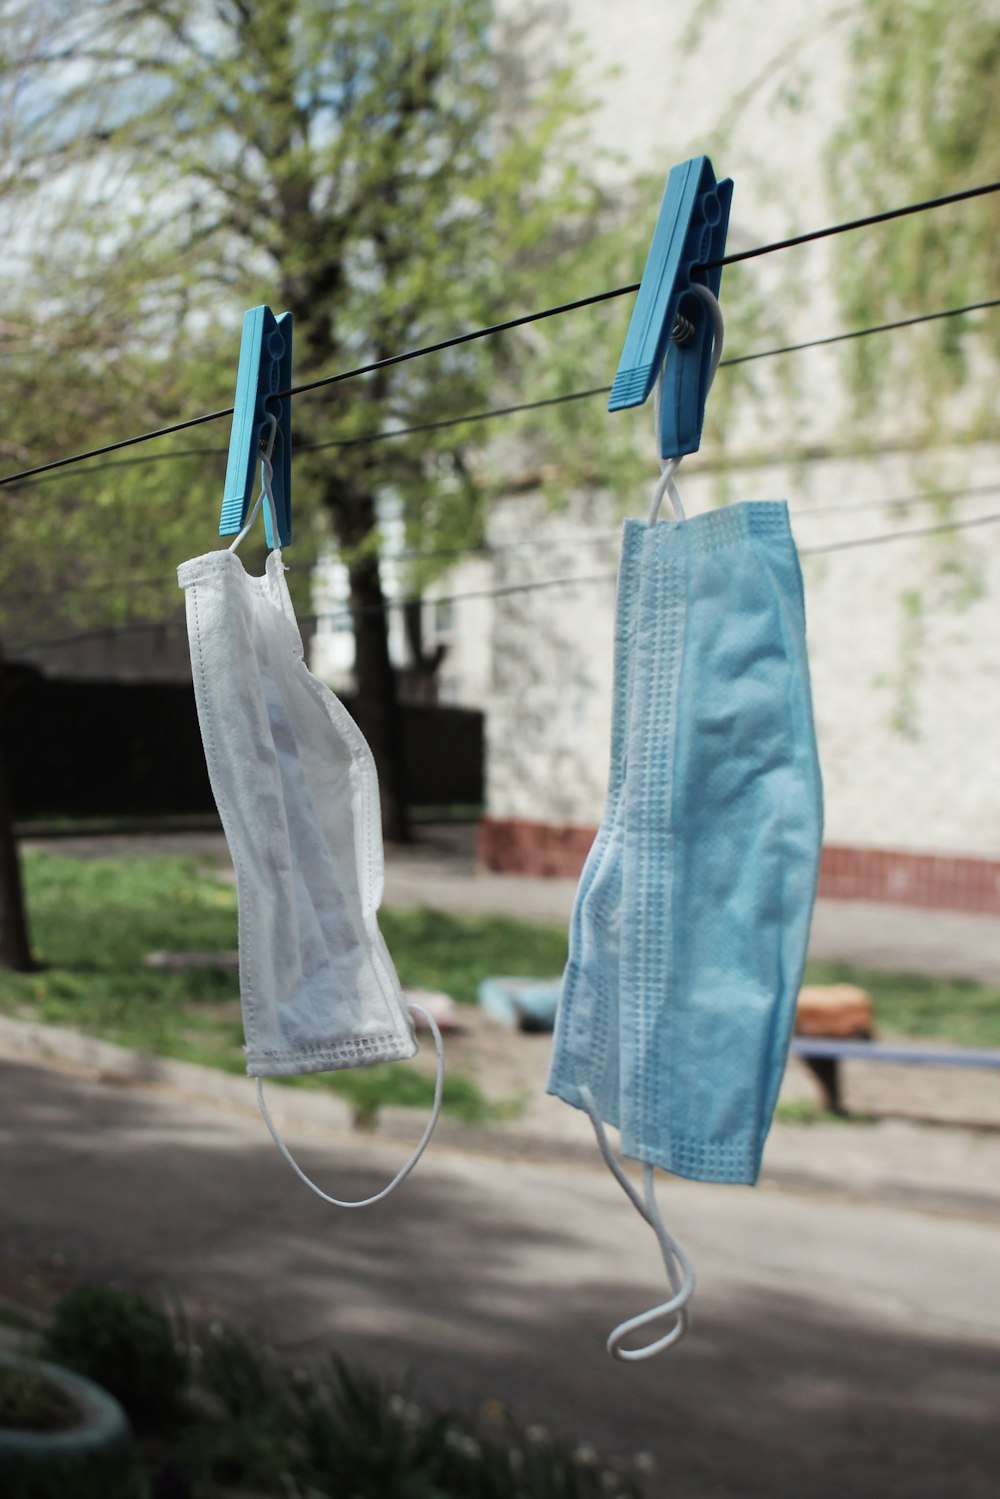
(706, 863)
(587, 1024)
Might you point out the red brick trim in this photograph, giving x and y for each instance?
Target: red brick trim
(513, 846)
(907, 879)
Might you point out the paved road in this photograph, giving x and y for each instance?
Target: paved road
(839, 1349)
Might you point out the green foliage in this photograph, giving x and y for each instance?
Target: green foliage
(30, 1402)
(126, 1344)
(394, 172)
(252, 1437)
(245, 1420)
(921, 122)
(361, 1438)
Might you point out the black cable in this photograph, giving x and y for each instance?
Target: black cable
(464, 338)
(872, 541)
(114, 447)
(99, 632)
(576, 538)
(873, 218)
(347, 613)
(482, 416)
(351, 374)
(838, 338)
(454, 342)
(453, 421)
(350, 442)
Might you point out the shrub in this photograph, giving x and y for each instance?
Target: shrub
(125, 1343)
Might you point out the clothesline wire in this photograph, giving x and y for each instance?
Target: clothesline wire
(874, 218)
(839, 338)
(621, 291)
(350, 442)
(486, 551)
(346, 613)
(471, 417)
(915, 531)
(798, 513)
(502, 327)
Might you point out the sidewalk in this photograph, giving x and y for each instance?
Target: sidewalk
(929, 1165)
(940, 1145)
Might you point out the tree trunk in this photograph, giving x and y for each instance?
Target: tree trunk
(15, 947)
(378, 710)
(425, 664)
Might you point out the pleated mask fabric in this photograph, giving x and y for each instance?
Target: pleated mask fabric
(296, 788)
(691, 921)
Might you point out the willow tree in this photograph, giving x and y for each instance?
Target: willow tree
(388, 170)
(920, 122)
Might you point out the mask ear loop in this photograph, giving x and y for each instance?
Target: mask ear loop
(404, 1172)
(266, 476)
(669, 466)
(680, 1271)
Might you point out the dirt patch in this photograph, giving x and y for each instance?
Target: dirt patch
(508, 1066)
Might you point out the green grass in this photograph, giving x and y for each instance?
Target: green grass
(435, 950)
(802, 1111)
(93, 921)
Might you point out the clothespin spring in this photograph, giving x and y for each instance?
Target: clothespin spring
(681, 334)
(266, 478)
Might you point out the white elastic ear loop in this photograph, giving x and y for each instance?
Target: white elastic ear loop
(669, 466)
(665, 485)
(266, 475)
(404, 1172)
(680, 1271)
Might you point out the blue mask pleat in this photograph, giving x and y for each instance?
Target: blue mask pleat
(691, 922)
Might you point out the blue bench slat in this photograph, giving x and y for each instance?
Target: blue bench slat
(887, 1051)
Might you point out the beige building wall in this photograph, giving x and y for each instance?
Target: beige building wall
(903, 641)
(903, 636)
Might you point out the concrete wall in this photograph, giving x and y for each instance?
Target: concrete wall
(903, 647)
(903, 640)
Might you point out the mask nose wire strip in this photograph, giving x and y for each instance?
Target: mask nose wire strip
(680, 1271)
(266, 475)
(404, 1172)
(669, 466)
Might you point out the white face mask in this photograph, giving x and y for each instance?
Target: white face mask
(296, 788)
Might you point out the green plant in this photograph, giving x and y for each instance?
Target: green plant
(364, 1439)
(126, 1344)
(251, 1438)
(30, 1402)
(63, 1437)
(242, 1419)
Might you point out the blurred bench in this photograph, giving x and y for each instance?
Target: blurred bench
(824, 1054)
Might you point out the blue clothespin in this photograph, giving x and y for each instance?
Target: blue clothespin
(265, 367)
(669, 321)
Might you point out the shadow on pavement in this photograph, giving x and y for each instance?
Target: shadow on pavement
(479, 1280)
